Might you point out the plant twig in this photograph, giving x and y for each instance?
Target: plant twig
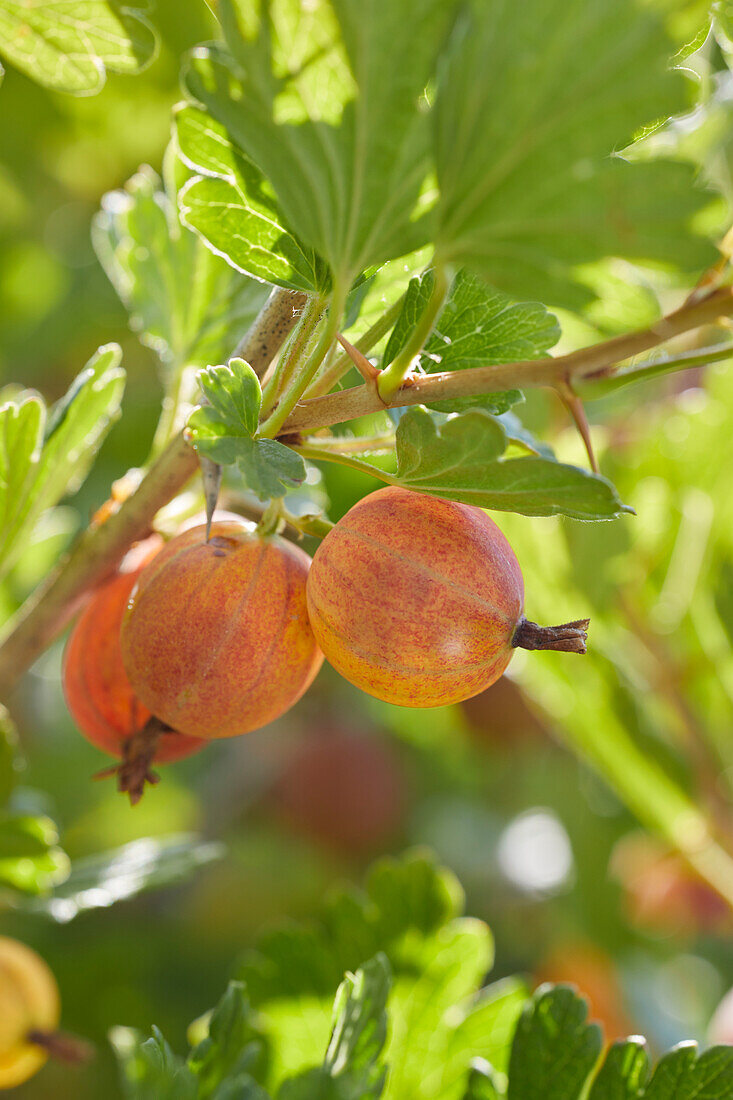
(335, 408)
(605, 381)
(309, 318)
(273, 323)
(304, 375)
(327, 379)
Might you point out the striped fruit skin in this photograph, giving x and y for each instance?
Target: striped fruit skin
(97, 690)
(415, 599)
(216, 640)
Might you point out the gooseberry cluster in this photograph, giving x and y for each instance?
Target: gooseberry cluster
(414, 599)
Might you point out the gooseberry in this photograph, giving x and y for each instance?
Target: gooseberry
(216, 641)
(418, 600)
(98, 693)
(29, 1011)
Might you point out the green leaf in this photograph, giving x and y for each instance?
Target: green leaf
(69, 44)
(184, 302)
(325, 100)
(21, 439)
(682, 1074)
(425, 1054)
(478, 326)
(270, 468)
(100, 880)
(554, 1048)
(482, 1084)
(233, 1046)
(530, 181)
(31, 861)
(417, 297)
(352, 1068)
(360, 1030)
(34, 479)
(404, 900)
(236, 213)
(623, 1073)
(149, 1069)
(235, 393)
(223, 431)
(462, 461)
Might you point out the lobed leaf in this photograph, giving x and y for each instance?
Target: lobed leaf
(69, 45)
(554, 1048)
(531, 184)
(184, 302)
(223, 431)
(462, 460)
(234, 210)
(325, 100)
(233, 1047)
(38, 467)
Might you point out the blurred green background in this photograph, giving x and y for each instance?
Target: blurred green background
(548, 854)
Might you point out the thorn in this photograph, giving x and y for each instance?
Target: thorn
(575, 407)
(211, 474)
(366, 369)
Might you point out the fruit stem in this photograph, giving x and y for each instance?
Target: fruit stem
(61, 1046)
(138, 754)
(568, 638)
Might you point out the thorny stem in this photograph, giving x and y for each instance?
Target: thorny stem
(297, 387)
(395, 374)
(327, 379)
(264, 338)
(335, 408)
(283, 371)
(99, 550)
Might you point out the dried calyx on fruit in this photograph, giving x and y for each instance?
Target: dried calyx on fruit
(418, 600)
(216, 641)
(98, 692)
(29, 1016)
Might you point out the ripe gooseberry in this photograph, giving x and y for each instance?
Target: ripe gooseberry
(29, 1008)
(98, 692)
(418, 600)
(216, 641)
